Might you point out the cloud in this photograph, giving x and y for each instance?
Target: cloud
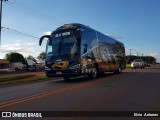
(11, 47)
(47, 33)
(156, 55)
(17, 41)
(25, 50)
(28, 51)
(30, 44)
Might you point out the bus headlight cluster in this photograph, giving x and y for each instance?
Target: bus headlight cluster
(75, 66)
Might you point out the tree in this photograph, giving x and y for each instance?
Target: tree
(31, 58)
(41, 56)
(148, 59)
(15, 57)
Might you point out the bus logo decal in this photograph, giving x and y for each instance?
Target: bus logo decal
(60, 65)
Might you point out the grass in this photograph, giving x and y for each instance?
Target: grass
(128, 65)
(20, 79)
(16, 77)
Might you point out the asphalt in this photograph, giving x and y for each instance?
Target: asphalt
(133, 90)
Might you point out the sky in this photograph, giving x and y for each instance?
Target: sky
(136, 23)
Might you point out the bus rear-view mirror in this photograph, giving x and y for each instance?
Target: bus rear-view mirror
(43, 37)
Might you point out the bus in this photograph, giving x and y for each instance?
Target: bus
(75, 50)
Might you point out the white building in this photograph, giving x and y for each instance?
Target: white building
(18, 66)
(31, 62)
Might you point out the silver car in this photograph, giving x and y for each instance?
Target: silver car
(138, 63)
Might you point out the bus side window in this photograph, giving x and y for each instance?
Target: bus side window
(112, 52)
(91, 39)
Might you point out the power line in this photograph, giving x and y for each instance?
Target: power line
(15, 36)
(22, 9)
(19, 32)
(37, 12)
(30, 11)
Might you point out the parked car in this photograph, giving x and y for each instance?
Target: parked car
(30, 68)
(138, 63)
(147, 64)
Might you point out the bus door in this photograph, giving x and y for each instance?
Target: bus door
(86, 59)
(88, 43)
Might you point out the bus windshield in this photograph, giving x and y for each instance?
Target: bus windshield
(64, 44)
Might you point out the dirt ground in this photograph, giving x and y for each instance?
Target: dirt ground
(37, 75)
(23, 73)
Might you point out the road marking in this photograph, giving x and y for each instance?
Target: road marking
(51, 92)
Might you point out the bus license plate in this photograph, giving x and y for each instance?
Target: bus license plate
(58, 73)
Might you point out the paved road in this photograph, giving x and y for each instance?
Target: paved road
(133, 90)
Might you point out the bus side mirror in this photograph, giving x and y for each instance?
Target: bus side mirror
(43, 37)
(78, 34)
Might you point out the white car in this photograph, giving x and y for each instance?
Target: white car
(138, 63)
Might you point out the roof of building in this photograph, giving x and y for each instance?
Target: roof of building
(4, 61)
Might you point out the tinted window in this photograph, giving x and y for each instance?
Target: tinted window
(64, 44)
(89, 40)
(105, 38)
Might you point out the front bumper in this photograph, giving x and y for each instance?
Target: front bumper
(61, 73)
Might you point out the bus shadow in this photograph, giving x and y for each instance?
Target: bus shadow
(107, 76)
(85, 78)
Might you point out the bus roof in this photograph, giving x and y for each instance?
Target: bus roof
(72, 26)
(78, 25)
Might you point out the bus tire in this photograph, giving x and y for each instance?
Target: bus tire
(119, 70)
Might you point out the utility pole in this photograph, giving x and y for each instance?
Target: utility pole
(137, 53)
(1, 17)
(130, 51)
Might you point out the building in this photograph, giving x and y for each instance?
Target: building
(18, 66)
(4, 65)
(31, 62)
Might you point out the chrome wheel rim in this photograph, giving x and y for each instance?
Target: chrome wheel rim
(94, 72)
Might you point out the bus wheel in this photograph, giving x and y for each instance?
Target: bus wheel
(119, 70)
(66, 77)
(94, 73)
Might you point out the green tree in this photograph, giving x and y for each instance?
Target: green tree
(30, 57)
(148, 59)
(15, 57)
(41, 56)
